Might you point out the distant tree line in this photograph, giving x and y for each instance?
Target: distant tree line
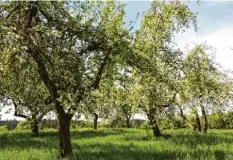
(216, 120)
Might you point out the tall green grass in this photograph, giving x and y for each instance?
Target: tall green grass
(119, 144)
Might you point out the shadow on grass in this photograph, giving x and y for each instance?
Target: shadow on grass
(219, 155)
(107, 150)
(83, 134)
(49, 138)
(23, 140)
(130, 151)
(193, 139)
(118, 152)
(189, 139)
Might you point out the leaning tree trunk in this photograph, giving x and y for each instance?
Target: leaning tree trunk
(36, 53)
(205, 122)
(35, 128)
(198, 122)
(95, 121)
(128, 122)
(153, 122)
(182, 113)
(62, 117)
(64, 134)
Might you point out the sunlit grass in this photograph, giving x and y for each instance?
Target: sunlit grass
(119, 144)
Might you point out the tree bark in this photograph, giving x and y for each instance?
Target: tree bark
(128, 122)
(153, 122)
(156, 130)
(64, 135)
(35, 128)
(95, 121)
(204, 117)
(198, 122)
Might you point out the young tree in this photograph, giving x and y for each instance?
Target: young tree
(126, 95)
(155, 97)
(207, 85)
(98, 104)
(156, 57)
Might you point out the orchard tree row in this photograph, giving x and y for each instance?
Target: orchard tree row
(82, 56)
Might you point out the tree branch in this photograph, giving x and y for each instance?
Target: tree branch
(41, 116)
(16, 112)
(96, 82)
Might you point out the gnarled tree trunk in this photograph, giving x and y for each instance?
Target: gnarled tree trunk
(35, 123)
(95, 121)
(153, 122)
(204, 117)
(156, 130)
(35, 128)
(64, 134)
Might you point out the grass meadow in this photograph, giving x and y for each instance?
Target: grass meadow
(119, 144)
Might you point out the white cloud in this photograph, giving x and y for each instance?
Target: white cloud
(221, 39)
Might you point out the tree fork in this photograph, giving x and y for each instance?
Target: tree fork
(128, 122)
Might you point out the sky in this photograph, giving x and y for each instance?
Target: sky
(215, 27)
(215, 23)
